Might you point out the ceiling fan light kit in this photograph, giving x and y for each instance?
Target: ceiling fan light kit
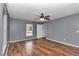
(42, 19)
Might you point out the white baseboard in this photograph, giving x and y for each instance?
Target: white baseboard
(63, 43)
(6, 50)
(23, 40)
(20, 40)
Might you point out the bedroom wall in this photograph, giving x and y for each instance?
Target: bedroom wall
(18, 29)
(65, 29)
(1, 28)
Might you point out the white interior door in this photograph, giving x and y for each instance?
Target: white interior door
(40, 31)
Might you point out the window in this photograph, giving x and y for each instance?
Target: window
(29, 29)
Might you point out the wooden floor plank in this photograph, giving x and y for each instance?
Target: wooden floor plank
(41, 47)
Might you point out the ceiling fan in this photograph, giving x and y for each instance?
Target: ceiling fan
(42, 17)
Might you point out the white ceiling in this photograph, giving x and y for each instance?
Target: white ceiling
(31, 11)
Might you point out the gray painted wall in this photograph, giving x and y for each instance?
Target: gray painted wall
(18, 29)
(65, 29)
(1, 28)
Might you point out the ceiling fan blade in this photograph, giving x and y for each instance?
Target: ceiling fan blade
(47, 16)
(41, 16)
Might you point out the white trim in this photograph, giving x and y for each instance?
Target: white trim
(6, 50)
(62, 42)
(21, 40)
(4, 34)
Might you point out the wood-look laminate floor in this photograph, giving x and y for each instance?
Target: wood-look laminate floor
(41, 47)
